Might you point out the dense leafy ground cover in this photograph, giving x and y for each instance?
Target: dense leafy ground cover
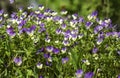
(48, 44)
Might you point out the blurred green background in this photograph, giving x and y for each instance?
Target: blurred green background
(106, 8)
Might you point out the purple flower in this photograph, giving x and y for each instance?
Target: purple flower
(95, 13)
(94, 50)
(11, 1)
(48, 63)
(79, 73)
(41, 16)
(74, 37)
(75, 16)
(64, 60)
(80, 20)
(10, 31)
(63, 12)
(66, 43)
(39, 65)
(46, 55)
(56, 50)
(88, 24)
(89, 75)
(18, 60)
(63, 50)
(42, 25)
(99, 40)
(41, 7)
(108, 34)
(31, 30)
(22, 23)
(1, 12)
(40, 76)
(49, 48)
(63, 26)
(58, 31)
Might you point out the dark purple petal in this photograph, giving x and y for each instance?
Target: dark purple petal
(11, 1)
(1, 12)
(79, 73)
(58, 31)
(18, 60)
(80, 20)
(95, 13)
(89, 75)
(95, 49)
(56, 50)
(46, 55)
(64, 60)
(88, 24)
(49, 48)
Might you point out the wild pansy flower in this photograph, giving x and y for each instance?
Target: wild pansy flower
(99, 41)
(74, 37)
(80, 20)
(11, 1)
(53, 13)
(46, 55)
(37, 11)
(10, 31)
(63, 50)
(40, 76)
(48, 63)
(65, 60)
(108, 34)
(58, 31)
(89, 75)
(31, 30)
(86, 61)
(30, 7)
(21, 24)
(41, 7)
(39, 65)
(47, 11)
(56, 50)
(48, 18)
(66, 43)
(73, 23)
(63, 26)
(99, 28)
(88, 24)
(79, 73)
(47, 39)
(93, 15)
(64, 12)
(17, 61)
(49, 59)
(49, 48)
(94, 50)
(1, 12)
(75, 16)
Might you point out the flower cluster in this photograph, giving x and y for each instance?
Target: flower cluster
(54, 44)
